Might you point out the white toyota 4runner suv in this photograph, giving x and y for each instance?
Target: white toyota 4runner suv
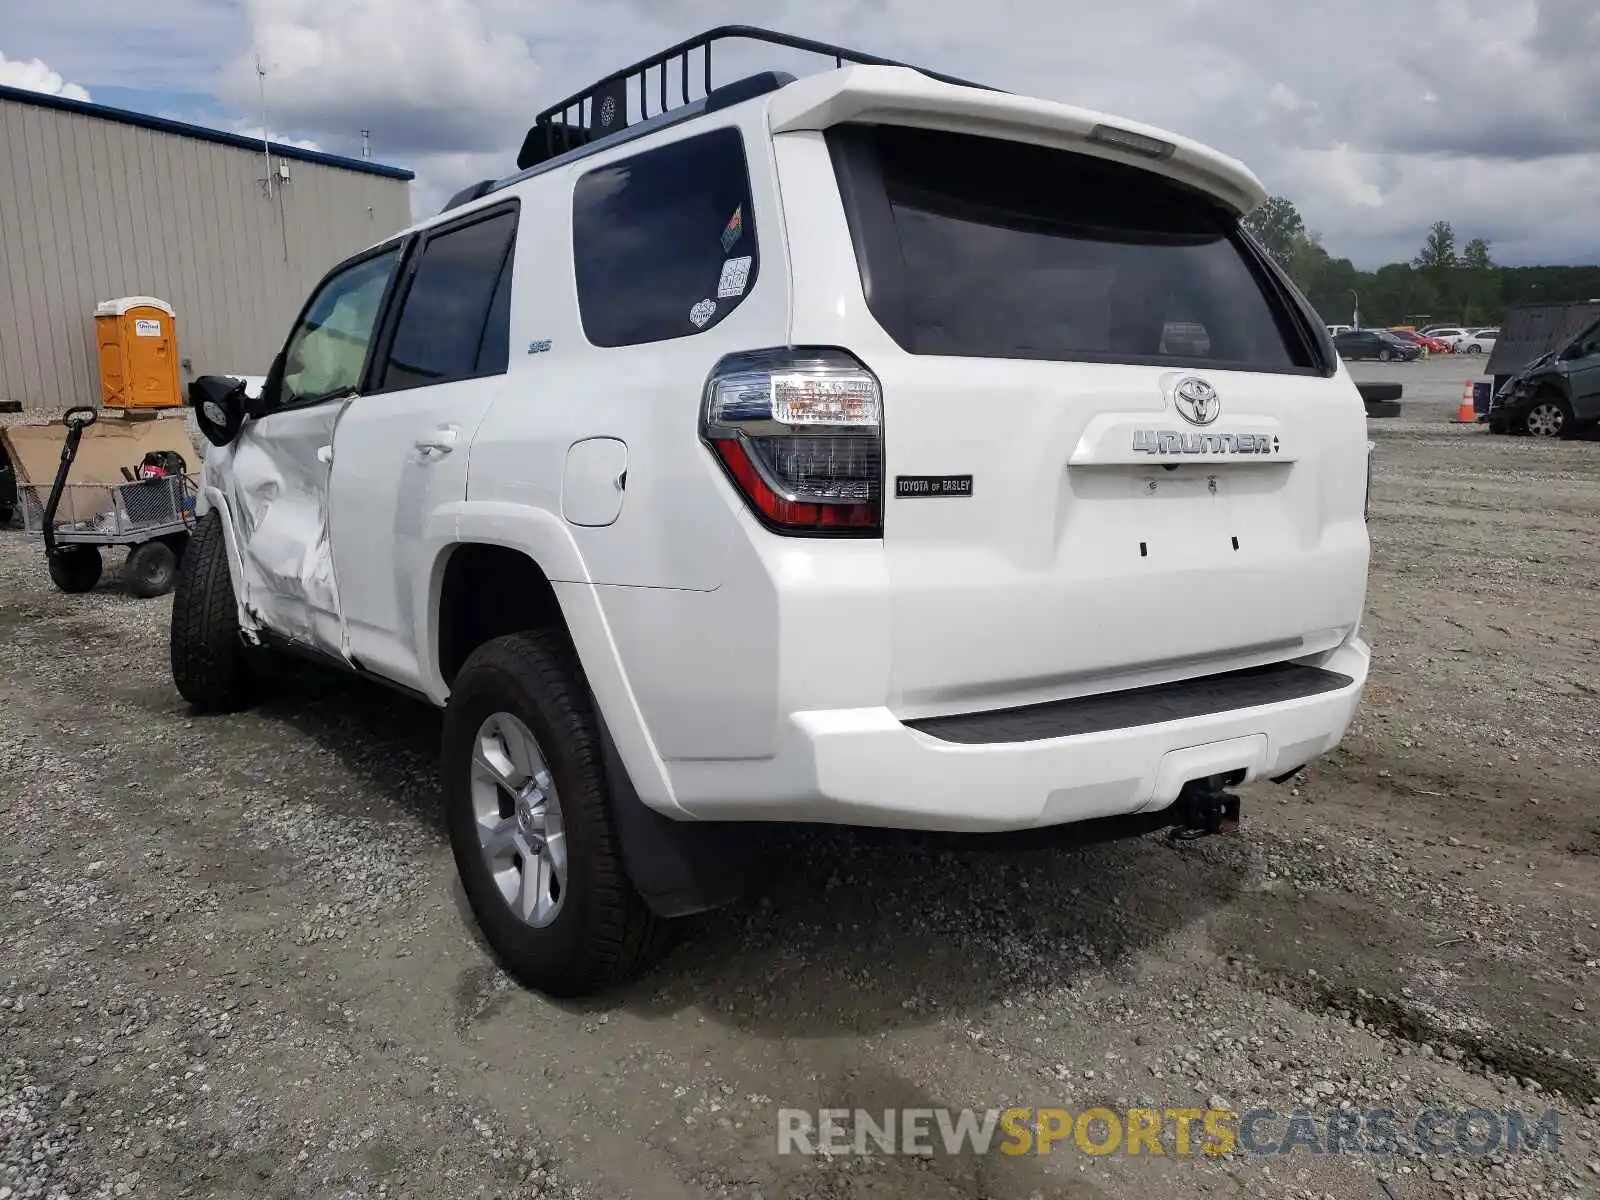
(870, 448)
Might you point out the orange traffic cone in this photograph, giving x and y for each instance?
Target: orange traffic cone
(1467, 413)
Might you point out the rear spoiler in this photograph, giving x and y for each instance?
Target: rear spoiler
(902, 96)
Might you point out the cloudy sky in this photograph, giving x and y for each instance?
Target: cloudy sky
(1376, 119)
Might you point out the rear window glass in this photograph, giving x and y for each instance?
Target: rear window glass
(664, 242)
(1006, 250)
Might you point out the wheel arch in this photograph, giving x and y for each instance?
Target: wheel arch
(539, 580)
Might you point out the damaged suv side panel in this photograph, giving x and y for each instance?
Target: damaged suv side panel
(275, 476)
(276, 487)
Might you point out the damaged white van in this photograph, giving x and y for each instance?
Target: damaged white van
(871, 448)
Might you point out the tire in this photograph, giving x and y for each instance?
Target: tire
(1550, 416)
(1383, 356)
(75, 568)
(1474, 348)
(180, 545)
(1382, 408)
(151, 570)
(1374, 393)
(6, 513)
(593, 930)
(210, 664)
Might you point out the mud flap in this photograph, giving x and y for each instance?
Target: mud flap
(677, 867)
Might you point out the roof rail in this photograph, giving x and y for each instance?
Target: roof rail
(603, 107)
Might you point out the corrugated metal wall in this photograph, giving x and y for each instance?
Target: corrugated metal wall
(92, 209)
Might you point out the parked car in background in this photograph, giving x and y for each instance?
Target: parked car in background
(1432, 345)
(1556, 395)
(1375, 343)
(1336, 330)
(1479, 341)
(1447, 334)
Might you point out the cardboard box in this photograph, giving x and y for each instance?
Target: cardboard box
(111, 443)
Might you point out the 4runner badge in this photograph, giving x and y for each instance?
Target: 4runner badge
(1170, 441)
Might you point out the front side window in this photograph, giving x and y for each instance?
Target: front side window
(664, 243)
(444, 330)
(328, 348)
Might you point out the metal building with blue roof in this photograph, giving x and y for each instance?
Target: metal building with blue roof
(98, 203)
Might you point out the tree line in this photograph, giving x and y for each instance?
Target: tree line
(1441, 285)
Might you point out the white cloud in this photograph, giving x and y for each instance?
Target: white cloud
(34, 76)
(422, 77)
(254, 132)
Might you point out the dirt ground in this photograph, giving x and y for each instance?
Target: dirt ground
(234, 961)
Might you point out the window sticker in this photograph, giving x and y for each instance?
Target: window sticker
(702, 313)
(735, 275)
(734, 230)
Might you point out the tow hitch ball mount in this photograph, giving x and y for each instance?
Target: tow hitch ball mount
(1205, 807)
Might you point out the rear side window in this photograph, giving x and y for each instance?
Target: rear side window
(978, 247)
(455, 314)
(664, 242)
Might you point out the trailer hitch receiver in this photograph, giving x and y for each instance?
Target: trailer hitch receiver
(1205, 807)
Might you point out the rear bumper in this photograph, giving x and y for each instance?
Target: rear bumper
(864, 767)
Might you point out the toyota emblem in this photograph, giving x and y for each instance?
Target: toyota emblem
(1197, 401)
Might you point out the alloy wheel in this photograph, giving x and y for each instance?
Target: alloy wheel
(1546, 419)
(518, 815)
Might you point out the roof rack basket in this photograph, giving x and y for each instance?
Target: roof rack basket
(606, 107)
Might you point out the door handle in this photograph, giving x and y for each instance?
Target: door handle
(438, 441)
(324, 454)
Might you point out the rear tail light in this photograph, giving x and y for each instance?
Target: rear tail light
(800, 434)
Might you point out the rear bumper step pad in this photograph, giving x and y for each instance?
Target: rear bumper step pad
(1203, 697)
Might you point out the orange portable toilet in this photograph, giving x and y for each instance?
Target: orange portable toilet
(137, 338)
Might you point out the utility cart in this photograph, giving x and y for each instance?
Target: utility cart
(151, 512)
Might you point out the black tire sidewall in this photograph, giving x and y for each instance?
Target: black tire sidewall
(556, 958)
(76, 569)
(210, 665)
(152, 569)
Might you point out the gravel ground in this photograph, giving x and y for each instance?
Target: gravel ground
(234, 960)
